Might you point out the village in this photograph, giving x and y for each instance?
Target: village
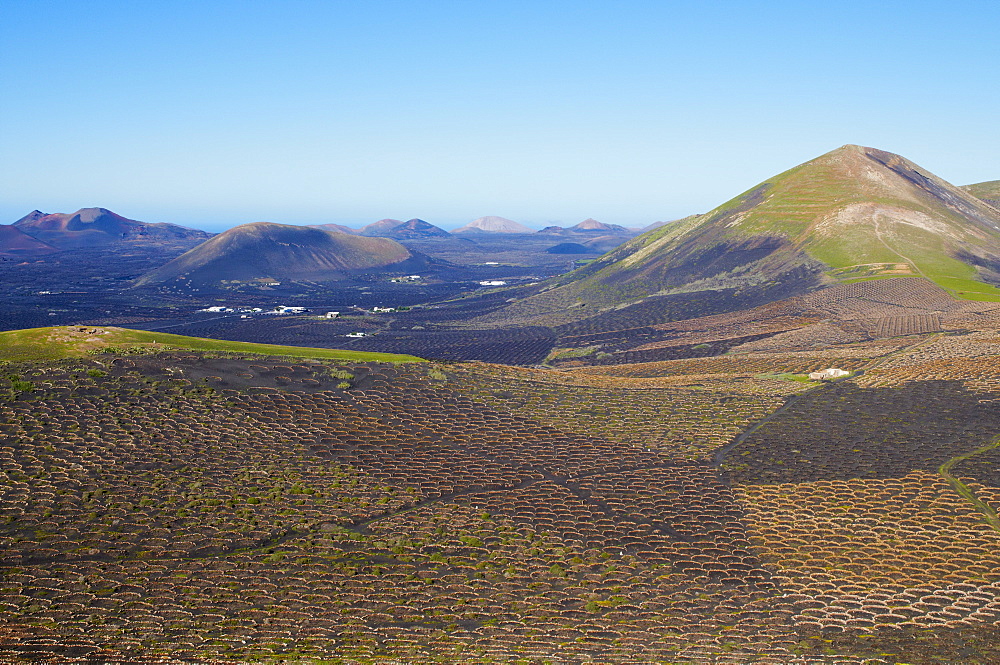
(245, 311)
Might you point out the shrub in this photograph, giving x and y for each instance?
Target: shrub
(18, 385)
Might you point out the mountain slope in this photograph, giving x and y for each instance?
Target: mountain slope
(16, 243)
(493, 224)
(592, 226)
(277, 251)
(379, 228)
(336, 228)
(95, 227)
(986, 191)
(588, 228)
(853, 213)
(58, 342)
(413, 229)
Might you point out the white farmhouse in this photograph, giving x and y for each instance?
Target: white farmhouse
(827, 374)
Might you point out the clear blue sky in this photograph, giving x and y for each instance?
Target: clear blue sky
(212, 114)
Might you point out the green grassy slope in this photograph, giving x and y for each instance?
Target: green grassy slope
(988, 191)
(857, 206)
(854, 213)
(59, 342)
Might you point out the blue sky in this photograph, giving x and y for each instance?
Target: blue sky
(212, 114)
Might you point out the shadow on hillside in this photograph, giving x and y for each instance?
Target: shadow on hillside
(846, 431)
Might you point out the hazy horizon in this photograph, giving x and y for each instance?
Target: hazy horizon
(213, 115)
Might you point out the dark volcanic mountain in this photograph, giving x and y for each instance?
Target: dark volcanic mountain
(16, 243)
(853, 213)
(592, 226)
(96, 227)
(413, 229)
(378, 229)
(553, 231)
(589, 228)
(265, 251)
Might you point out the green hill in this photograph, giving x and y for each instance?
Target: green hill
(854, 213)
(59, 342)
(986, 191)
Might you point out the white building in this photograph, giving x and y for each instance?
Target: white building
(492, 282)
(827, 374)
(332, 315)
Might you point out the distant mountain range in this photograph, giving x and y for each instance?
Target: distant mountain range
(98, 227)
(853, 213)
(493, 224)
(38, 234)
(266, 251)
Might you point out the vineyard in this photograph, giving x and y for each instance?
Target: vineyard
(394, 518)
(220, 506)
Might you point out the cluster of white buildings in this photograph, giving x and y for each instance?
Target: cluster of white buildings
(280, 309)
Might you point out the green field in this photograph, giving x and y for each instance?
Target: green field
(54, 343)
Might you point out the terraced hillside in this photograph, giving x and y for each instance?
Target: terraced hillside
(212, 505)
(855, 213)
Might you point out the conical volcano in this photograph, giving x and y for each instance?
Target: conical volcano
(278, 251)
(854, 213)
(16, 243)
(96, 227)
